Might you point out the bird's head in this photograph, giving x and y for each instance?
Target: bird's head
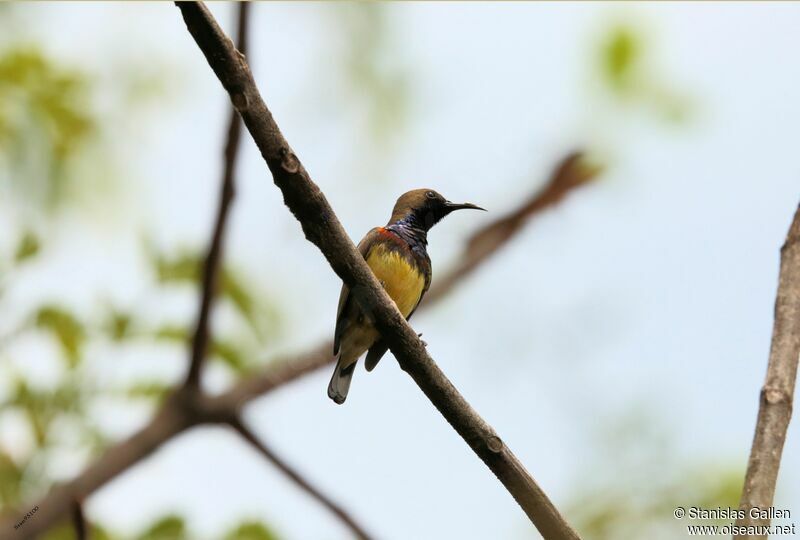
(425, 207)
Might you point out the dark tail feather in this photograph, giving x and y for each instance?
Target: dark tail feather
(340, 381)
(375, 354)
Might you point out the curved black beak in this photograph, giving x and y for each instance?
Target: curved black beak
(456, 206)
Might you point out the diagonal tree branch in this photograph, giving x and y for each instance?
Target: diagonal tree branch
(322, 228)
(775, 409)
(294, 475)
(213, 261)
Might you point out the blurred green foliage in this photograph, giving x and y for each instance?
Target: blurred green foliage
(171, 527)
(27, 247)
(45, 121)
(67, 329)
(43, 406)
(378, 81)
(10, 480)
(251, 530)
(644, 509)
(638, 481)
(66, 531)
(167, 527)
(620, 55)
(117, 324)
(233, 355)
(58, 418)
(51, 120)
(185, 267)
(152, 390)
(628, 69)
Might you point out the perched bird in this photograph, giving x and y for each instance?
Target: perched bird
(398, 256)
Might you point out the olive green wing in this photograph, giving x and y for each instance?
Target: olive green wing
(364, 247)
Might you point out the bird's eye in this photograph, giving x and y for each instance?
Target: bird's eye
(430, 195)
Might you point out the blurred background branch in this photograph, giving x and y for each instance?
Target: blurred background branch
(213, 260)
(79, 521)
(346, 517)
(572, 172)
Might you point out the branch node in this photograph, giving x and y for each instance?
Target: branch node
(775, 396)
(495, 444)
(240, 101)
(289, 161)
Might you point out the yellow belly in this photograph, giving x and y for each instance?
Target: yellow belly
(402, 281)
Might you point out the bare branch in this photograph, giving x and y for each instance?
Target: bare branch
(213, 260)
(298, 479)
(777, 394)
(79, 521)
(322, 227)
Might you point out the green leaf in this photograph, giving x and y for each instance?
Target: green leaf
(233, 357)
(27, 247)
(42, 406)
(70, 332)
(118, 325)
(233, 288)
(251, 530)
(262, 317)
(45, 120)
(10, 481)
(151, 390)
(172, 333)
(171, 527)
(66, 531)
(632, 73)
(620, 56)
(185, 267)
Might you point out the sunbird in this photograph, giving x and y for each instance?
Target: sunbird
(398, 256)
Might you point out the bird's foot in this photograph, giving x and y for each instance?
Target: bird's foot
(424, 343)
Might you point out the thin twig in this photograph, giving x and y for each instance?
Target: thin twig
(299, 479)
(79, 521)
(213, 261)
(775, 409)
(322, 227)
